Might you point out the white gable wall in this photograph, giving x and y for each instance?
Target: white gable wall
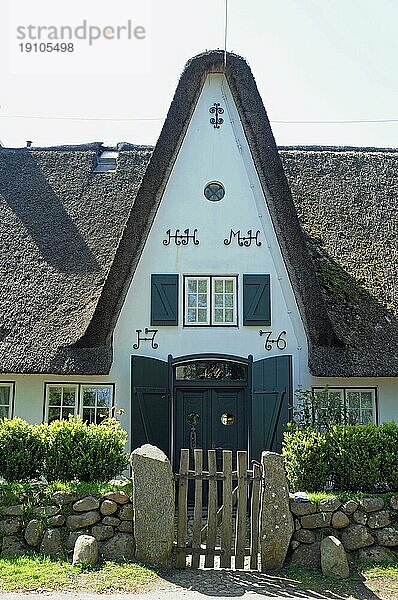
(223, 155)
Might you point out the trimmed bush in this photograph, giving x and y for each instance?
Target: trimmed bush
(21, 450)
(75, 450)
(353, 457)
(62, 451)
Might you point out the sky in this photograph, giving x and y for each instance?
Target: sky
(317, 63)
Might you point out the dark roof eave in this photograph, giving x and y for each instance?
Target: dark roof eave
(68, 360)
(347, 363)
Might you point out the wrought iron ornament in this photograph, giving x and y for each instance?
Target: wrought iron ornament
(216, 110)
(193, 419)
(181, 238)
(279, 341)
(243, 240)
(146, 339)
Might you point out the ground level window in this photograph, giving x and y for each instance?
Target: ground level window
(353, 405)
(6, 400)
(96, 401)
(92, 402)
(361, 406)
(61, 401)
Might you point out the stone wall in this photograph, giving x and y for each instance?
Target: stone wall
(367, 528)
(54, 527)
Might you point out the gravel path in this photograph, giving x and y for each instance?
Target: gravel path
(213, 585)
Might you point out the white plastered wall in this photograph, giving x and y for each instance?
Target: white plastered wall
(223, 155)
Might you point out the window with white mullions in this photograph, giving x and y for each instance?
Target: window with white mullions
(5, 400)
(360, 406)
(329, 406)
(224, 300)
(197, 305)
(211, 300)
(61, 402)
(349, 405)
(96, 403)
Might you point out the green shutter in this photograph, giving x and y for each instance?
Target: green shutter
(150, 403)
(164, 300)
(271, 401)
(256, 300)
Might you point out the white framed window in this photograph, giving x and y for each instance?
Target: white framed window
(96, 402)
(361, 405)
(61, 401)
(224, 301)
(197, 301)
(93, 402)
(6, 399)
(358, 404)
(210, 300)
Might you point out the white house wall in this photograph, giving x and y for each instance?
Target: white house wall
(208, 154)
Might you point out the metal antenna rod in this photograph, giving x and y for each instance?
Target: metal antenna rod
(225, 33)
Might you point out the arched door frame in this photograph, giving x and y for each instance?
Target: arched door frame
(245, 385)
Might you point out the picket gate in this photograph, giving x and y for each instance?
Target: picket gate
(218, 511)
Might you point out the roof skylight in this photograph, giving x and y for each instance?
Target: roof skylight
(107, 162)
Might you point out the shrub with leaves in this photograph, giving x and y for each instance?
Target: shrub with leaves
(361, 458)
(21, 450)
(307, 460)
(62, 451)
(77, 451)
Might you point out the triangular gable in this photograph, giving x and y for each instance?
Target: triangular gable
(274, 184)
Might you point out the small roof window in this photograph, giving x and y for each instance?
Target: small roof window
(214, 191)
(107, 162)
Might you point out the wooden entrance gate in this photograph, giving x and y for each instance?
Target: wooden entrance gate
(224, 519)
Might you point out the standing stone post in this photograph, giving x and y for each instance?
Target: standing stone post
(153, 505)
(276, 521)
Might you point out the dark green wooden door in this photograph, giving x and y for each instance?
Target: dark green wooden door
(192, 423)
(228, 419)
(271, 401)
(210, 418)
(150, 403)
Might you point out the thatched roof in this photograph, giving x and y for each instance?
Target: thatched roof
(60, 224)
(71, 239)
(347, 203)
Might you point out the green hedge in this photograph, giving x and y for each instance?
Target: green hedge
(360, 458)
(21, 450)
(62, 450)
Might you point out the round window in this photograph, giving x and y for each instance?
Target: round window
(214, 191)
